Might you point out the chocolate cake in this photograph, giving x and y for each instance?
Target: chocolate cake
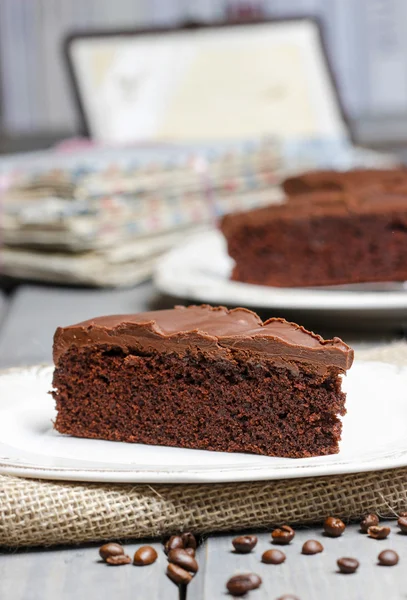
(201, 377)
(346, 181)
(321, 238)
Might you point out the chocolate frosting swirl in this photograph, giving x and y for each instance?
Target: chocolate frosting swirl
(215, 330)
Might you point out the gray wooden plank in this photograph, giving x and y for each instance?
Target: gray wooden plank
(35, 312)
(195, 589)
(3, 306)
(308, 577)
(78, 573)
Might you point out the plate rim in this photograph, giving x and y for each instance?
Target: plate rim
(391, 460)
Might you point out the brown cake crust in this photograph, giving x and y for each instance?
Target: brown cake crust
(323, 238)
(207, 393)
(345, 181)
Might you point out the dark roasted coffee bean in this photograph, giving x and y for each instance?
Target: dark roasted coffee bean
(190, 551)
(178, 575)
(312, 547)
(111, 549)
(378, 533)
(370, 520)
(119, 559)
(244, 544)
(175, 541)
(402, 523)
(239, 585)
(273, 557)
(388, 558)
(347, 565)
(145, 555)
(334, 527)
(181, 558)
(189, 540)
(283, 535)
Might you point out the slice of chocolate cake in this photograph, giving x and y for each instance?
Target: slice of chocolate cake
(201, 377)
(345, 181)
(324, 238)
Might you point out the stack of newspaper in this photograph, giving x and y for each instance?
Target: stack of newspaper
(103, 217)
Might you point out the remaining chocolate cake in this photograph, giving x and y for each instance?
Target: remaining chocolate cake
(324, 238)
(346, 181)
(201, 377)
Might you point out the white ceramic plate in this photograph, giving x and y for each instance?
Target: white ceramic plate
(374, 437)
(200, 270)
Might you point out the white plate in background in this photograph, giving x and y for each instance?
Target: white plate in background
(200, 268)
(374, 438)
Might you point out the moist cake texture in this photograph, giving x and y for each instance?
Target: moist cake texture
(321, 238)
(201, 377)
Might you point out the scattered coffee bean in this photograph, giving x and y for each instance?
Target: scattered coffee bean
(334, 527)
(119, 559)
(312, 547)
(244, 544)
(111, 549)
(175, 541)
(378, 533)
(239, 585)
(178, 575)
(273, 557)
(369, 520)
(145, 555)
(402, 523)
(180, 557)
(283, 535)
(190, 551)
(388, 558)
(189, 540)
(347, 565)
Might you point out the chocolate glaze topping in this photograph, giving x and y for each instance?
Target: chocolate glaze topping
(210, 329)
(315, 205)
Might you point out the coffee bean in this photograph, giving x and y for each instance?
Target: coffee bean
(111, 549)
(402, 523)
(288, 597)
(239, 585)
(283, 535)
(388, 558)
(189, 540)
(273, 557)
(369, 520)
(347, 565)
(378, 533)
(180, 557)
(119, 559)
(190, 551)
(312, 547)
(175, 541)
(178, 575)
(145, 555)
(244, 544)
(334, 527)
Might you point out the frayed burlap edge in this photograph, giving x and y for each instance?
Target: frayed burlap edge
(45, 513)
(36, 512)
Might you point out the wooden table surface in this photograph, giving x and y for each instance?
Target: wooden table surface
(28, 319)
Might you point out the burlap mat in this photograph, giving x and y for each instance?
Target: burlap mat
(43, 513)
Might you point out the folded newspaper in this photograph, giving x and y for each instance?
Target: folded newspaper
(103, 217)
